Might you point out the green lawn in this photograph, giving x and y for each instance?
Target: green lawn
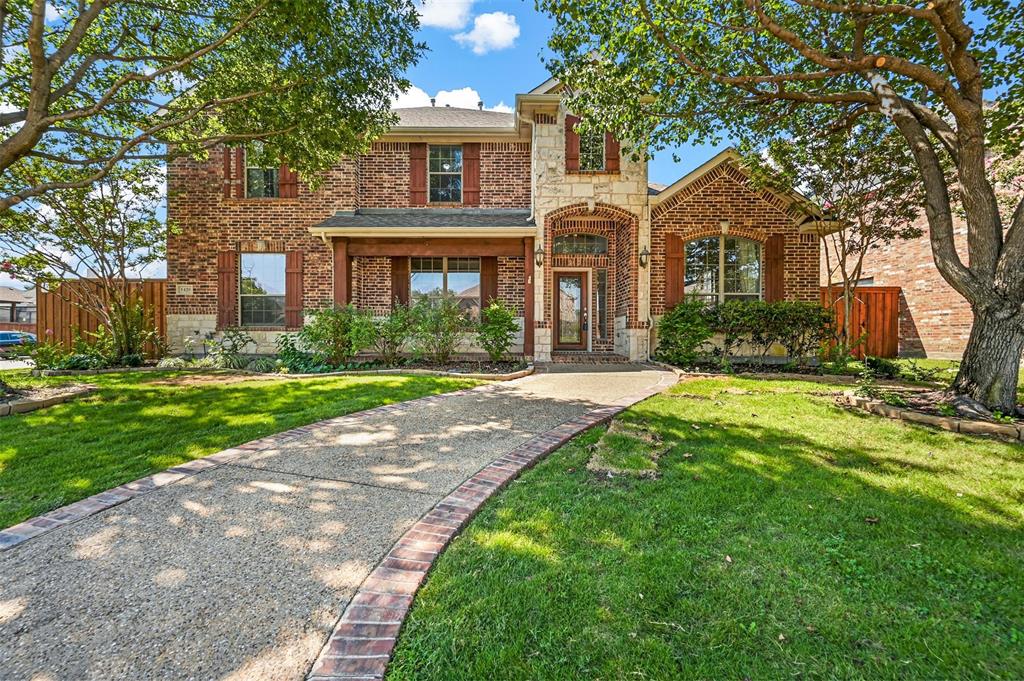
(133, 426)
(797, 540)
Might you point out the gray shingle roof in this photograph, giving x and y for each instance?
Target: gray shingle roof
(430, 217)
(10, 294)
(450, 117)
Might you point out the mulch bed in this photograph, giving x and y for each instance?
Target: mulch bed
(40, 393)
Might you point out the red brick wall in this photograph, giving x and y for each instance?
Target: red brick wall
(512, 282)
(935, 320)
(384, 176)
(725, 194)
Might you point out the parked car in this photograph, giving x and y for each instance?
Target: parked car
(13, 342)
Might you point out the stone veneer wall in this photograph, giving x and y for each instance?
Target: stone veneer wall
(620, 196)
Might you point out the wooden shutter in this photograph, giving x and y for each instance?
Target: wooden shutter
(471, 174)
(227, 289)
(572, 145)
(775, 268)
(287, 183)
(488, 280)
(418, 174)
(675, 269)
(239, 173)
(400, 280)
(611, 153)
(229, 171)
(293, 289)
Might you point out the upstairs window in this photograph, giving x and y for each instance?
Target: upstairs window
(260, 182)
(580, 244)
(721, 268)
(261, 289)
(444, 173)
(592, 151)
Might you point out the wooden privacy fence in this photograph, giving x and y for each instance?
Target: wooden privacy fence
(57, 316)
(876, 312)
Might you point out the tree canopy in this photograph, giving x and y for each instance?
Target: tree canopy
(86, 85)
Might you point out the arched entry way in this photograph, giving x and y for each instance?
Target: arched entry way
(590, 278)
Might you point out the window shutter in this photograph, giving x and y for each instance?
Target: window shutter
(675, 270)
(611, 153)
(287, 183)
(418, 174)
(775, 268)
(239, 173)
(572, 144)
(293, 289)
(488, 280)
(400, 280)
(471, 174)
(227, 289)
(229, 171)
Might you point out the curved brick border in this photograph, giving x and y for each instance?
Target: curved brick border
(1006, 431)
(26, 405)
(364, 638)
(65, 515)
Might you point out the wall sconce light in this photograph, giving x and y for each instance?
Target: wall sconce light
(538, 256)
(645, 257)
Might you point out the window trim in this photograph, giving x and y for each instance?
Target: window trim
(283, 296)
(444, 275)
(461, 174)
(604, 152)
(721, 295)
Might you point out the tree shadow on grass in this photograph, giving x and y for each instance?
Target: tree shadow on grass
(807, 542)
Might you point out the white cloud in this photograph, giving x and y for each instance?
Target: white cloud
(461, 98)
(491, 31)
(452, 14)
(52, 13)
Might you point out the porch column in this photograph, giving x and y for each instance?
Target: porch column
(528, 330)
(342, 275)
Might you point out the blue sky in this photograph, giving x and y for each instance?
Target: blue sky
(491, 50)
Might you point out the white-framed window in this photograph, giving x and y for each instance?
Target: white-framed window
(261, 289)
(720, 268)
(444, 173)
(434, 278)
(592, 151)
(579, 244)
(260, 182)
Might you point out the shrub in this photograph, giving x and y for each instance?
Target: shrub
(439, 327)
(227, 352)
(802, 328)
(393, 332)
(497, 329)
(335, 334)
(683, 333)
(291, 357)
(49, 355)
(916, 372)
(881, 367)
(733, 319)
(172, 363)
(133, 360)
(264, 365)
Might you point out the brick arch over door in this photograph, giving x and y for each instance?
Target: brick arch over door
(620, 227)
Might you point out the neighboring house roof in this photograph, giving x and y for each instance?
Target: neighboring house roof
(9, 294)
(420, 221)
(451, 117)
(654, 188)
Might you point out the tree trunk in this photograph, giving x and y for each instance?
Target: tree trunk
(992, 359)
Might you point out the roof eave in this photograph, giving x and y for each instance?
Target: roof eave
(511, 232)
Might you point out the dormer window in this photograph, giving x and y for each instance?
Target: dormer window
(592, 151)
(444, 170)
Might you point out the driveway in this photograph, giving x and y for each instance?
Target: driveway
(241, 571)
(10, 363)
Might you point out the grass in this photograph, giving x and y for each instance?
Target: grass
(136, 424)
(786, 538)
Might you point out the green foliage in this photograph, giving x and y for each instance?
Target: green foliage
(48, 354)
(683, 333)
(333, 335)
(133, 360)
(880, 367)
(497, 329)
(173, 363)
(439, 328)
(915, 371)
(803, 327)
(393, 332)
(227, 352)
(293, 358)
(264, 365)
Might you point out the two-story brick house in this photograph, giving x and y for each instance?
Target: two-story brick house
(480, 204)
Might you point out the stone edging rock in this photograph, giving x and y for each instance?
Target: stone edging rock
(116, 370)
(28, 404)
(1006, 431)
(364, 638)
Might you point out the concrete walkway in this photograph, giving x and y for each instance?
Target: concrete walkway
(240, 571)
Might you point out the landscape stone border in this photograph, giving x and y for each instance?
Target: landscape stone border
(364, 638)
(1006, 431)
(356, 372)
(25, 405)
(65, 515)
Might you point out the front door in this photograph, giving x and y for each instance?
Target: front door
(571, 314)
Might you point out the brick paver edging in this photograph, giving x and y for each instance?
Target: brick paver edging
(25, 405)
(65, 515)
(364, 637)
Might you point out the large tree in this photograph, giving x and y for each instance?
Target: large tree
(682, 70)
(87, 85)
